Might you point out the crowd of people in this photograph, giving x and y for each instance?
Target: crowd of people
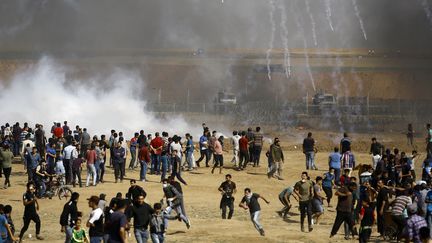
(386, 192)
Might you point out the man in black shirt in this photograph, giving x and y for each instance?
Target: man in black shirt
(250, 201)
(382, 203)
(95, 222)
(345, 143)
(31, 206)
(227, 188)
(134, 192)
(141, 212)
(69, 216)
(309, 151)
(376, 148)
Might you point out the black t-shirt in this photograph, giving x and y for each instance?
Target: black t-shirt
(252, 202)
(29, 209)
(141, 215)
(345, 203)
(228, 188)
(117, 221)
(308, 144)
(135, 191)
(382, 197)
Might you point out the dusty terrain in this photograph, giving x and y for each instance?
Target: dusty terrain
(202, 198)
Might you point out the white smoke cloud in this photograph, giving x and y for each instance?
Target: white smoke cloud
(41, 93)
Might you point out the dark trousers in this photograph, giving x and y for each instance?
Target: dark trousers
(400, 222)
(251, 153)
(380, 223)
(67, 164)
(244, 158)
(178, 176)
(31, 173)
(102, 171)
(227, 203)
(7, 173)
(342, 217)
(75, 174)
(305, 209)
(337, 176)
(118, 171)
(155, 163)
(365, 234)
(257, 154)
(27, 218)
(206, 154)
(218, 160)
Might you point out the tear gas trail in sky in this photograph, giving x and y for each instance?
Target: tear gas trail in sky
(329, 13)
(312, 19)
(284, 37)
(428, 11)
(272, 37)
(357, 13)
(41, 93)
(305, 45)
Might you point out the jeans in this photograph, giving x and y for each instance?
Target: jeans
(102, 171)
(118, 172)
(76, 173)
(91, 172)
(96, 239)
(257, 154)
(155, 163)
(143, 170)
(244, 158)
(68, 233)
(132, 162)
(178, 175)
(342, 217)
(337, 173)
(255, 220)
(157, 237)
(179, 211)
(204, 153)
(141, 235)
(310, 160)
(164, 162)
(305, 209)
(189, 159)
(98, 170)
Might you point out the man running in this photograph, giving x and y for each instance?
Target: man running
(250, 201)
(227, 188)
(284, 197)
(31, 206)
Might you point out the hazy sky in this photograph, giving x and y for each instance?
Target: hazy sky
(46, 25)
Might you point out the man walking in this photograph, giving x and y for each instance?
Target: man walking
(309, 151)
(144, 159)
(31, 206)
(277, 160)
(227, 188)
(304, 191)
(235, 145)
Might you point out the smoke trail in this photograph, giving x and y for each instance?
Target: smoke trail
(357, 13)
(428, 11)
(329, 13)
(312, 19)
(41, 93)
(284, 37)
(272, 37)
(305, 46)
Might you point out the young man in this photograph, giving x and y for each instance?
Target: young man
(95, 222)
(91, 158)
(235, 145)
(135, 192)
(277, 160)
(76, 170)
(141, 212)
(414, 223)
(189, 152)
(133, 150)
(173, 198)
(244, 153)
(118, 223)
(144, 160)
(31, 206)
(218, 156)
(309, 151)
(117, 159)
(257, 145)
(69, 216)
(6, 158)
(5, 229)
(204, 148)
(227, 188)
(157, 225)
(367, 218)
(335, 163)
(284, 198)
(250, 201)
(176, 166)
(344, 208)
(304, 191)
(156, 146)
(317, 201)
(328, 184)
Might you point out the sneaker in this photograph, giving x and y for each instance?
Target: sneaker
(188, 225)
(39, 237)
(310, 229)
(262, 232)
(312, 221)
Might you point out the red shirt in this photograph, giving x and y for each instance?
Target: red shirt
(157, 144)
(243, 143)
(58, 132)
(143, 154)
(91, 156)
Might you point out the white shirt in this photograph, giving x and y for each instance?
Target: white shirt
(70, 152)
(375, 159)
(25, 142)
(235, 142)
(95, 215)
(176, 146)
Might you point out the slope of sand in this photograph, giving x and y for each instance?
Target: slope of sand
(202, 204)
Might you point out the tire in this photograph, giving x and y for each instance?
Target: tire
(64, 192)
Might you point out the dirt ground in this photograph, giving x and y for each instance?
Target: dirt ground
(202, 198)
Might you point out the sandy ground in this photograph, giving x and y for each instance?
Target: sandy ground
(202, 202)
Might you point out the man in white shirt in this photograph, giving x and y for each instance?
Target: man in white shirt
(69, 154)
(235, 143)
(95, 223)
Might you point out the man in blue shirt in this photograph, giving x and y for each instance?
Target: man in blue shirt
(204, 151)
(335, 163)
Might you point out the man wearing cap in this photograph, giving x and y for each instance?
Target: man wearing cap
(414, 224)
(95, 222)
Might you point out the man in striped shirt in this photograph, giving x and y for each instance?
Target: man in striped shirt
(399, 205)
(257, 146)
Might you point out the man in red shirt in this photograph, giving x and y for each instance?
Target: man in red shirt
(91, 169)
(144, 159)
(244, 156)
(58, 131)
(156, 145)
